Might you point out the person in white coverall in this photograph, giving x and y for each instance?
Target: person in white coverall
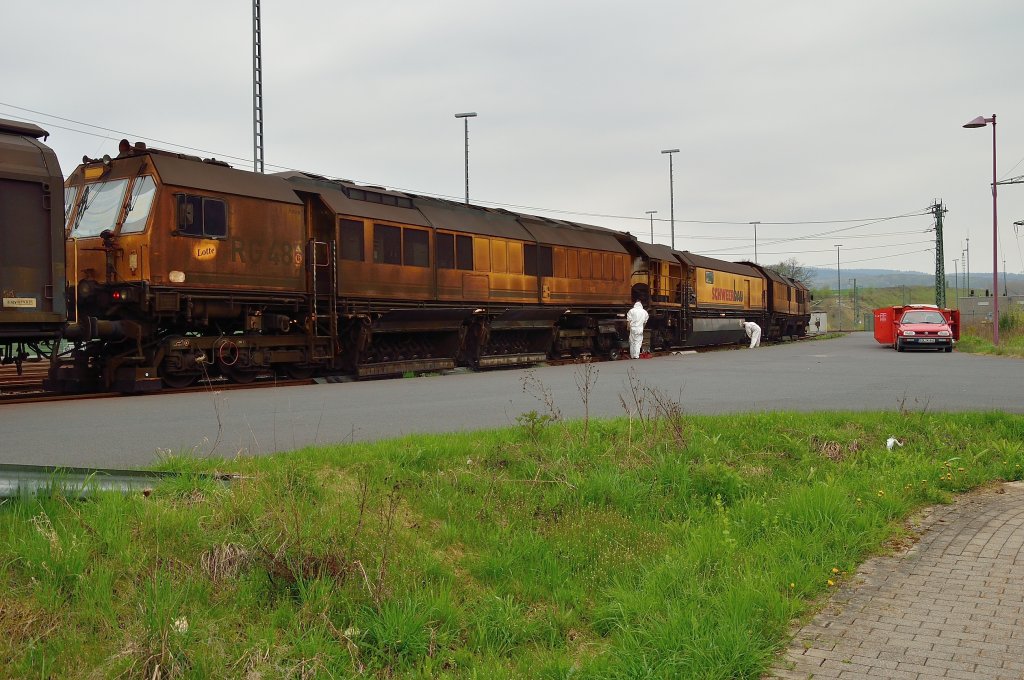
(636, 318)
(753, 332)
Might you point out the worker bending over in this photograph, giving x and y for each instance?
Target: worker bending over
(753, 332)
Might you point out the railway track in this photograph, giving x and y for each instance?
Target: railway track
(28, 387)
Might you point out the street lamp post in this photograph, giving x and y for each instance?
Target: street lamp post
(465, 121)
(652, 213)
(967, 262)
(839, 285)
(982, 121)
(671, 195)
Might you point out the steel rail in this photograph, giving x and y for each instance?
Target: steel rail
(28, 480)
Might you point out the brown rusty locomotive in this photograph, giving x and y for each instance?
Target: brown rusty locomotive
(181, 268)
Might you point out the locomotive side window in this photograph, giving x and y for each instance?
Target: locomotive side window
(454, 252)
(202, 217)
(537, 260)
(139, 205)
(416, 246)
(352, 240)
(98, 208)
(709, 277)
(444, 249)
(464, 253)
(387, 244)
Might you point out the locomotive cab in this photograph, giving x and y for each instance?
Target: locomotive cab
(176, 266)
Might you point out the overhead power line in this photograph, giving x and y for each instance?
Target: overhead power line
(831, 265)
(745, 223)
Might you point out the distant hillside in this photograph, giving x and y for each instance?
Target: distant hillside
(824, 278)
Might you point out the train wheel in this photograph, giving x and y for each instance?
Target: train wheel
(178, 381)
(242, 376)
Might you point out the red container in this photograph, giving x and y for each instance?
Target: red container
(888, 318)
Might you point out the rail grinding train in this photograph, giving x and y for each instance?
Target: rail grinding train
(181, 268)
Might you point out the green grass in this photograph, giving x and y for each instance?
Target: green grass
(978, 339)
(680, 547)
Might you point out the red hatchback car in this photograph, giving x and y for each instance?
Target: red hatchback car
(923, 329)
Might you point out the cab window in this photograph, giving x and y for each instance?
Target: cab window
(69, 201)
(202, 217)
(139, 205)
(98, 208)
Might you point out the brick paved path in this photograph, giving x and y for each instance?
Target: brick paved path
(950, 607)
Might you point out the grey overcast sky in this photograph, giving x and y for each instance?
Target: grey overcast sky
(784, 111)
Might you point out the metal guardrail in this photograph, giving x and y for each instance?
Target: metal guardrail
(28, 480)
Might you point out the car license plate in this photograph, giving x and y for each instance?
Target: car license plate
(927, 339)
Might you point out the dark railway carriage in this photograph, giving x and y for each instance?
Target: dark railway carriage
(33, 310)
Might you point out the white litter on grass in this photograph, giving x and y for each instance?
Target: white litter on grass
(891, 443)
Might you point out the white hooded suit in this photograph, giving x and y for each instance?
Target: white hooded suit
(753, 332)
(636, 318)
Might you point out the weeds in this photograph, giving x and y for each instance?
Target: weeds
(585, 378)
(539, 558)
(653, 409)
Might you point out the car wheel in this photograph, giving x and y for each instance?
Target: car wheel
(949, 349)
(899, 346)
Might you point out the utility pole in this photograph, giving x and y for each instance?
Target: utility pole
(940, 267)
(856, 308)
(257, 91)
(839, 290)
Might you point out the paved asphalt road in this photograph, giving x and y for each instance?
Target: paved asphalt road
(849, 373)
